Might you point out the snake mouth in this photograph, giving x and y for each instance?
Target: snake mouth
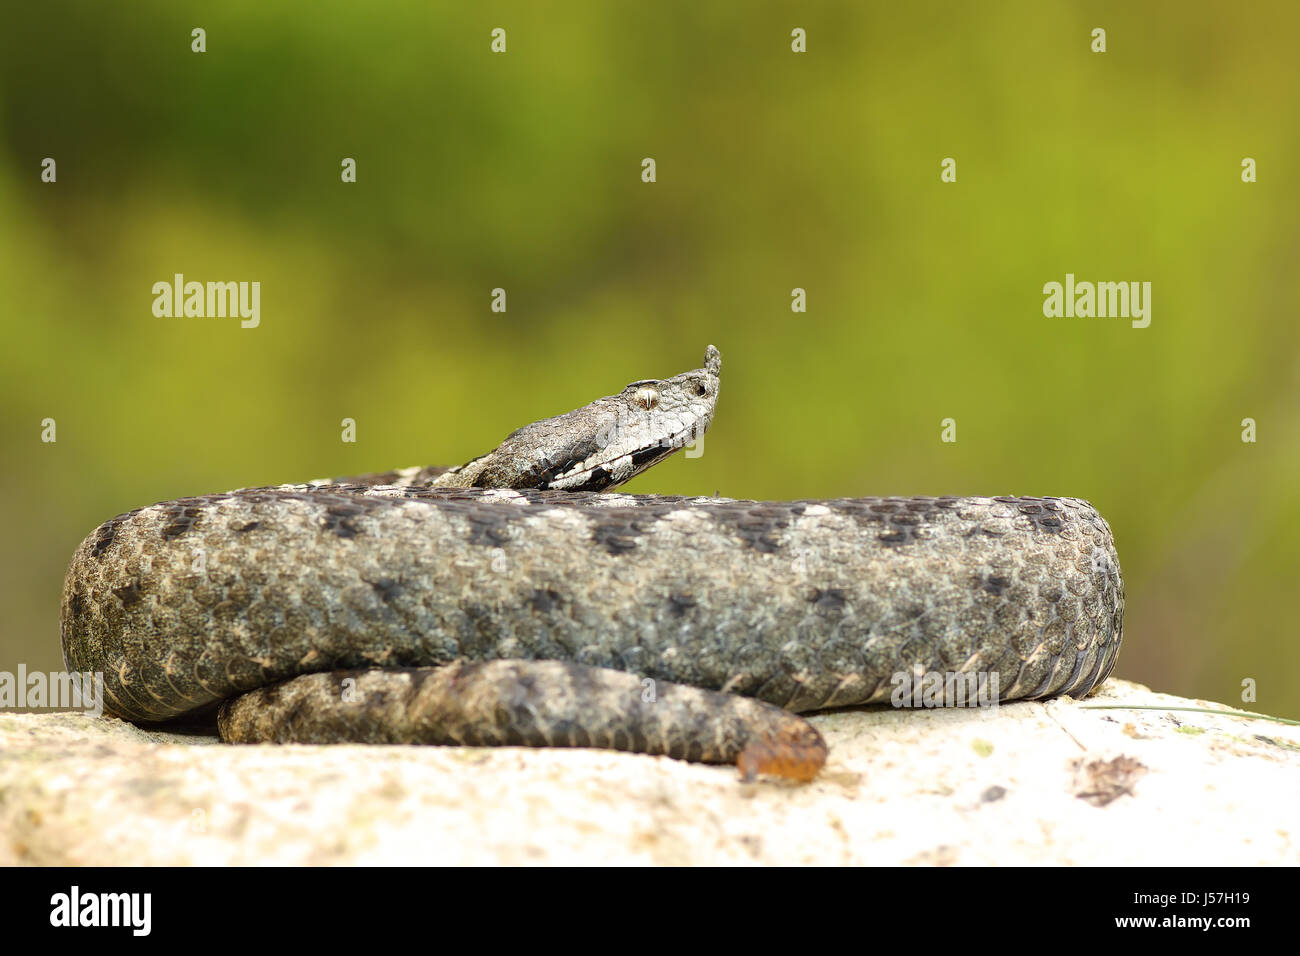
(606, 473)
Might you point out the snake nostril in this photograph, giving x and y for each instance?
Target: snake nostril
(647, 397)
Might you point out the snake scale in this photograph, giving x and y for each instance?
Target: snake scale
(513, 600)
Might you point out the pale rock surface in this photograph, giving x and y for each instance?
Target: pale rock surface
(1024, 783)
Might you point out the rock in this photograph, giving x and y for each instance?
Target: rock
(1024, 783)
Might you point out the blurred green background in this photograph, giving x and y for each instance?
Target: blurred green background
(775, 170)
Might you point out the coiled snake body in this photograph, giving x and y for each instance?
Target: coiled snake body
(509, 601)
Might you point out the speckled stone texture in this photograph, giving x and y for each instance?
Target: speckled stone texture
(1010, 786)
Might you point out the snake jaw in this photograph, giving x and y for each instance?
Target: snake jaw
(652, 419)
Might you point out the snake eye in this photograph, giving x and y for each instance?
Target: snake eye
(646, 397)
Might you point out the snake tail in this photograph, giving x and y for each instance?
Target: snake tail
(528, 704)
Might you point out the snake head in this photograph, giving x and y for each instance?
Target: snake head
(602, 445)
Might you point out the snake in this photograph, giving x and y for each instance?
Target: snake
(517, 600)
